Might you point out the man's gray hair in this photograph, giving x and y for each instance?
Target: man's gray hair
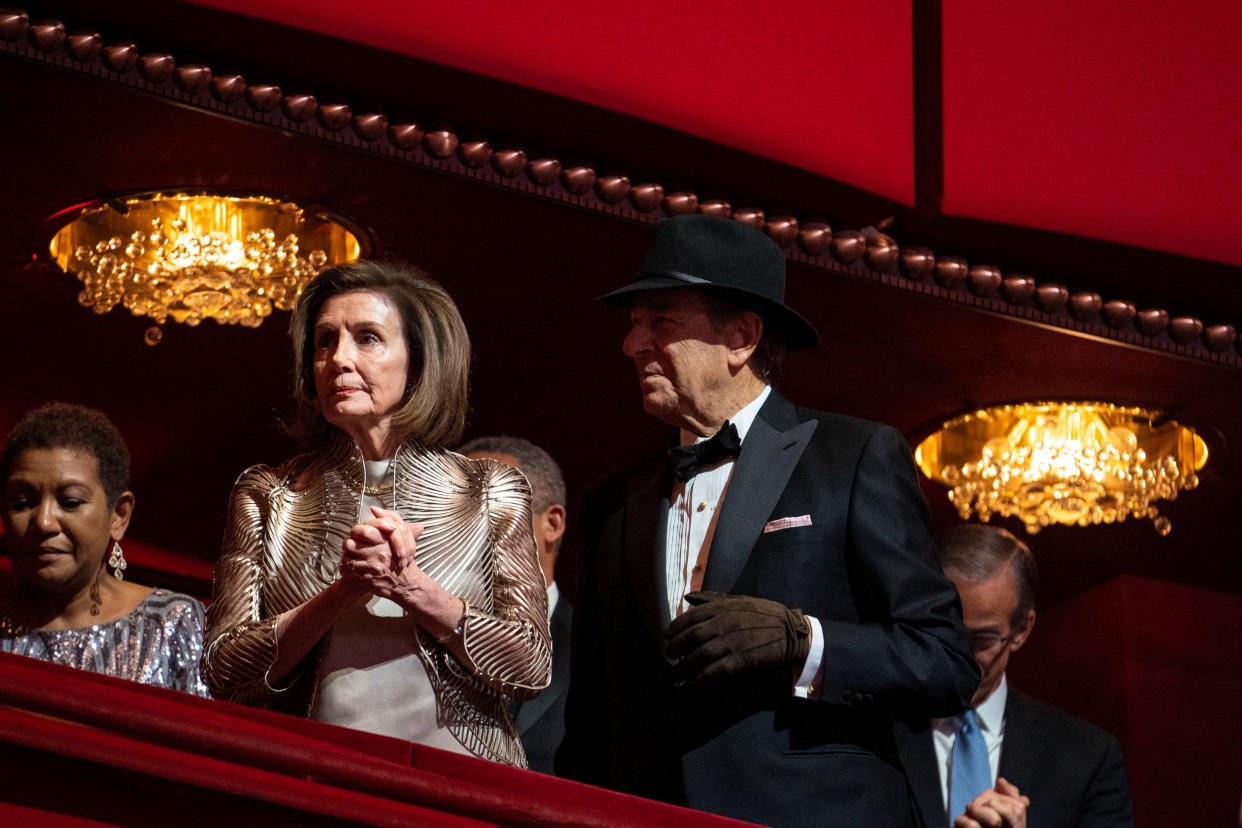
(769, 354)
(977, 553)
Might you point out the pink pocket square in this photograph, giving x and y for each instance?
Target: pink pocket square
(786, 523)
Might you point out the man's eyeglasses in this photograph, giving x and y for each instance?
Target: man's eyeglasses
(984, 642)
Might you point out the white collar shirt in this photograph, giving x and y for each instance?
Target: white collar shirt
(693, 511)
(554, 595)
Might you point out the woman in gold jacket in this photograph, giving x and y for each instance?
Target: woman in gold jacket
(382, 582)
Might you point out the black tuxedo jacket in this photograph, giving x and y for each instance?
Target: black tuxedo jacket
(1071, 770)
(540, 722)
(865, 567)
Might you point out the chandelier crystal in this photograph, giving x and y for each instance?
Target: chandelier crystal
(191, 256)
(1076, 463)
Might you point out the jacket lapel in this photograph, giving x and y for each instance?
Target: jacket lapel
(918, 756)
(532, 711)
(1016, 764)
(646, 519)
(772, 448)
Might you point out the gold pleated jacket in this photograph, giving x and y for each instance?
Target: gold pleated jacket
(282, 546)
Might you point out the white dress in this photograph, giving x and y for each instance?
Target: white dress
(371, 677)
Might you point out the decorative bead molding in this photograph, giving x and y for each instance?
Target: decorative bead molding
(866, 253)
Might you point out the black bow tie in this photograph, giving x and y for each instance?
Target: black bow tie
(688, 460)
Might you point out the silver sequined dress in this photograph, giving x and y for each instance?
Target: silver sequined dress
(159, 643)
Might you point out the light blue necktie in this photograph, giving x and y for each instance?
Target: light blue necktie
(969, 772)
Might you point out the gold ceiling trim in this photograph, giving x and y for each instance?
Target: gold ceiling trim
(866, 253)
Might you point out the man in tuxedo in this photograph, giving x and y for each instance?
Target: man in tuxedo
(1030, 763)
(755, 605)
(540, 722)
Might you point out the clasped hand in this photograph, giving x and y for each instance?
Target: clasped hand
(721, 635)
(378, 556)
(1001, 807)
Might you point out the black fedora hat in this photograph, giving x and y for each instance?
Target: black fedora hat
(726, 257)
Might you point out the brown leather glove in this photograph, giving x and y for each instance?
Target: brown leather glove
(721, 635)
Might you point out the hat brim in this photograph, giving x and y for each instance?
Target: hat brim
(798, 332)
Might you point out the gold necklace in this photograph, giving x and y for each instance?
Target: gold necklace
(358, 483)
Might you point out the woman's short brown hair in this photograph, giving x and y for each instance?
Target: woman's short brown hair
(437, 380)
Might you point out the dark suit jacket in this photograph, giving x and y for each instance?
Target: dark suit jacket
(865, 567)
(1071, 770)
(541, 721)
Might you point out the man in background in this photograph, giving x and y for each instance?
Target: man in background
(540, 722)
(1009, 757)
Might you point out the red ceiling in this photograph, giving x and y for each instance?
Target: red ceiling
(1117, 120)
(823, 85)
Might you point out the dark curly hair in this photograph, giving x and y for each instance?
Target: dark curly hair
(71, 426)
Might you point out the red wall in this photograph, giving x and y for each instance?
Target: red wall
(1159, 665)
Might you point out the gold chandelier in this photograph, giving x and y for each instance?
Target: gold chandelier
(193, 255)
(1075, 463)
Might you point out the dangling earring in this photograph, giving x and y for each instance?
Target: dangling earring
(117, 561)
(96, 599)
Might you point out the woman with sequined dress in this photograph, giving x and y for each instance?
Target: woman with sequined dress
(65, 508)
(380, 581)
